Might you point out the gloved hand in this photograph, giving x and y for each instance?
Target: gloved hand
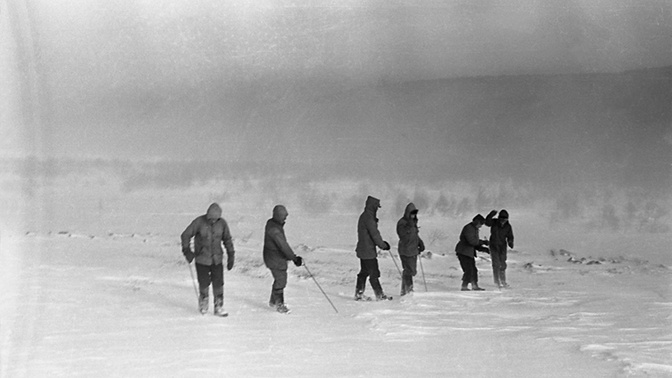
(511, 245)
(483, 249)
(492, 213)
(298, 261)
(188, 255)
(386, 247)
(485, 242)
(230, 260)
(421, 245)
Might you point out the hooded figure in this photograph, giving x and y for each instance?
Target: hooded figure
(410, 245)
(501, 236)
(209, 231)
(368, 238)
(276, 253)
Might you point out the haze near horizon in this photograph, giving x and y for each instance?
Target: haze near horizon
(532, 91)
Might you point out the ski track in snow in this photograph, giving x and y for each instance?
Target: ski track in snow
(80, 312)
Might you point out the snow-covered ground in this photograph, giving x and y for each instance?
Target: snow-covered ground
(94, 284)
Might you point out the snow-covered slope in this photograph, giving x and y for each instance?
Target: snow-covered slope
(93, 283)
(112, 304)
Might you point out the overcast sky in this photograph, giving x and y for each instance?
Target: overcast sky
(400, 39)
(137, 79)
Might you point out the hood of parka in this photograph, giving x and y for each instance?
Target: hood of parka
(214, 212)
(410, 209)
(372, 204)
(280, 214)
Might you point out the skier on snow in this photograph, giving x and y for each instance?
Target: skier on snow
(368, 237)
(276, 254)
(501, 235)
(466, 252)
(209, 231)
(410, 245)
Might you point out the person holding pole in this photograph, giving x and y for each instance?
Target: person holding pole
(368, 238)
(276, 253)
(209, 231)
(410, 246)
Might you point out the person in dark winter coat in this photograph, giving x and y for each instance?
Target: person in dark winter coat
(410, 245)
(466, 252)
(368, 238)
(501, 236)
(276, 254)
(209, 231)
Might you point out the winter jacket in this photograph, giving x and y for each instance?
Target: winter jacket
(469, 241)
(500, 235)
(410, 243)
(276, 250)
(208, 238)
(368, 236)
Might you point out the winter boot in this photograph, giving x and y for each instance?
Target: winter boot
(273, 302)
(361, 284)
(280, 303)
(465, 286)
(475, 287)
(406, 285)
(409, 285)
(502, 280)
(375, 285)
(380, 296)
(203, 304)
(359, 296)
(219, 305)
(281, 308)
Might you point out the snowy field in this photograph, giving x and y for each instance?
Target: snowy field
(94, 284)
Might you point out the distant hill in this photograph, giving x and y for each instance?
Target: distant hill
(557, 129)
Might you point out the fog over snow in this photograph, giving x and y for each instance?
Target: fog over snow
(121, 121)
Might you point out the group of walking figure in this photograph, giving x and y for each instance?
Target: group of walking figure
(210, 231)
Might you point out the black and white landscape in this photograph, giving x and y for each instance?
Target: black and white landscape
(122, 121)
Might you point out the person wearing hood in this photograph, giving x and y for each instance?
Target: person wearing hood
(276, 253)
(368, 238)
(410, 245)
(466, 252)
(501, 236)
(209, 231)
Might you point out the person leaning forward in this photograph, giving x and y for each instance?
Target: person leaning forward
(368, 238)
(466, 252)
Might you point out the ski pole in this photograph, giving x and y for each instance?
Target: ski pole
(422, 270)
(193, 281)
(395, 263)
(320, 287)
